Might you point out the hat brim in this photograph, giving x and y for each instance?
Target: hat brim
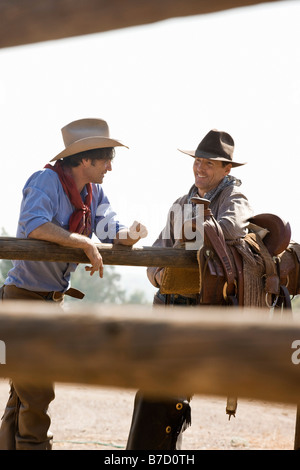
(210, 156)
(88, 143)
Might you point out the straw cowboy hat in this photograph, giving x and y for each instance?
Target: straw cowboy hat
(86, 134)
(216, 145)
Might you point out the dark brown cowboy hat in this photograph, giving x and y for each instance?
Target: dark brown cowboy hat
(216, 145)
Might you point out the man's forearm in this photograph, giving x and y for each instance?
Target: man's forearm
(53, 233)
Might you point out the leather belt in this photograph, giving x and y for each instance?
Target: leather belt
(58, 296)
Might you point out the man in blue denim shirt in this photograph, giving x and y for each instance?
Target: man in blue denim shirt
(65, 204)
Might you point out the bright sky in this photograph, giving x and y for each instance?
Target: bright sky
(162, 87)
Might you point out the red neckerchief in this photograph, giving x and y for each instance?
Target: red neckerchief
(80, 221)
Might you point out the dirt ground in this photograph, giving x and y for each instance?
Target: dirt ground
(93, 418)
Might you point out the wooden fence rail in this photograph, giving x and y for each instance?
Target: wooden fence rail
(37, 250)
(31, 21)
(200, 351)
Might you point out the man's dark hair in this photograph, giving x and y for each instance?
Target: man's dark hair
(225, 164)
(107, 153)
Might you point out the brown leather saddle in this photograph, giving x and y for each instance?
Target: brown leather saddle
(220, 277)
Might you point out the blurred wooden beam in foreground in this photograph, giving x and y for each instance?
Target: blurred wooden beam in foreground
(162, 351)
(38, 250)
(31, 21)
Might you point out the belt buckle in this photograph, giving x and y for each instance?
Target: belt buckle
(57, 296)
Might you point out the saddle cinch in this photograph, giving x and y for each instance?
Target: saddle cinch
(266, 261)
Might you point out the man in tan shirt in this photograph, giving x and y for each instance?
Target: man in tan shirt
(158, 425)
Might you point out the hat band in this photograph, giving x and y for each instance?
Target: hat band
(212, 156)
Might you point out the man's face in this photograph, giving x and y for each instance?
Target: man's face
(96, 170)
(208, 174)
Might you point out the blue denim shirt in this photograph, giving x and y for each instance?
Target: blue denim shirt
(44, 200)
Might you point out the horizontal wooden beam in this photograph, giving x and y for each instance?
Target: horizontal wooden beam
(37, 250)
(31, 21)
(163, 351)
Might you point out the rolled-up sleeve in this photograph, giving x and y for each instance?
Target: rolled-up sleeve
(39, 203)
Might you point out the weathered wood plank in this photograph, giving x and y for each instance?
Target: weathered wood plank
(203, 351)
(30, 21)
(37, 250)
